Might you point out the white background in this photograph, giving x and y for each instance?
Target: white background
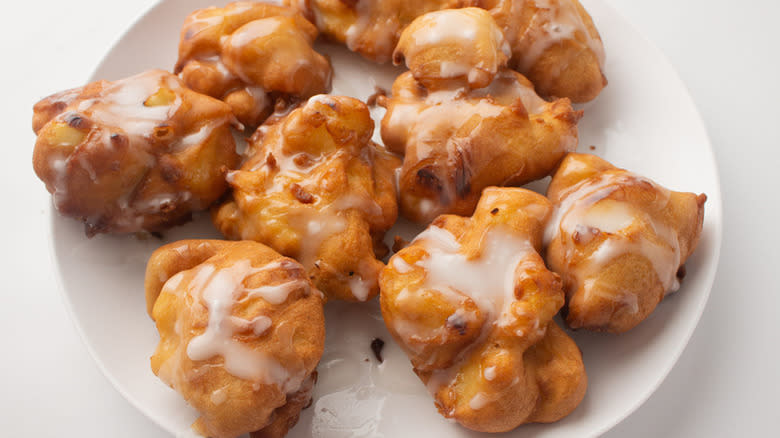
(727, 382)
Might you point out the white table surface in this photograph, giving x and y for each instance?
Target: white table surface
(727, 381)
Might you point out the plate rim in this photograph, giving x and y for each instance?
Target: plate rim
(714, 220)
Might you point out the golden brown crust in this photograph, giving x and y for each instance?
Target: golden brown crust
(316, 188)
(136, 154)
(618, 241)
(453, 47)
(553, 42)
(370, 28)
(251, 54)
(493, 359)
(181, 279)
(457, 142)
(286, 417)
(557, 364)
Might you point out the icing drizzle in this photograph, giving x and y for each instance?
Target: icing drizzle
(220, 289)
(585, 210)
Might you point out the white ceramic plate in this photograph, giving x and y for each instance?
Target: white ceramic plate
(644, 121)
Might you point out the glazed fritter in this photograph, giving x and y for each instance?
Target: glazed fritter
(552, 42)
(316, 188)
(452, 47)
(241, 332)
(457, 136)
(251, 55)
(618, 241)
(138, 154)
(471, 302)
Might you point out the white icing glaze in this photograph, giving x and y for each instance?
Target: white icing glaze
(259, 95)
(479, 401)
(220, 66)
(400, 265)
(121, 104)
(444, 377)
(161, 201)
(553, 22)
(305, 207)
(260, 324)
(452, 69)
(316, 222)
(195, 138)
(455, 114)
(219, 396)
(358, 202)
(454, 107)
(219, 290)
(442, 27)
(126, 111)
(489, 280)
(584, 211)
(313, 227)
(419, 334)
(379, 35)
(462, 28)
(609, 216)
(172, 284)
(489, 373)
(252, 31)
(59, 166)
(230, 176)
(583, 195)
(276, 294)
(506, 85)
(360, 288)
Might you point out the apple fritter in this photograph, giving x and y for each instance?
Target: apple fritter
(241, 332)
(316, 188)
(138, 154)
(553, 42)
(453, 47)
(457, 139)
(618, 240)
(369, 27)
(251, 55)
(471, 302)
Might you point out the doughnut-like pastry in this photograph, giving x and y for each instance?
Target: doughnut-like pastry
(250, 55)
(618, 240)
(471, 302)
(552, 42)
(316, 188)
(368, 27)
(457, 139)
(241, 332)
(138, 154)
(453, 46)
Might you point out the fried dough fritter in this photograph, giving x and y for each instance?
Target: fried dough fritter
(250, 55)
(456, 139)
(241, 332)
(137, 154)
(369, 27)
(451, 47)
(471, 303)
(317, 189)
(553, 42)
(618, 240)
